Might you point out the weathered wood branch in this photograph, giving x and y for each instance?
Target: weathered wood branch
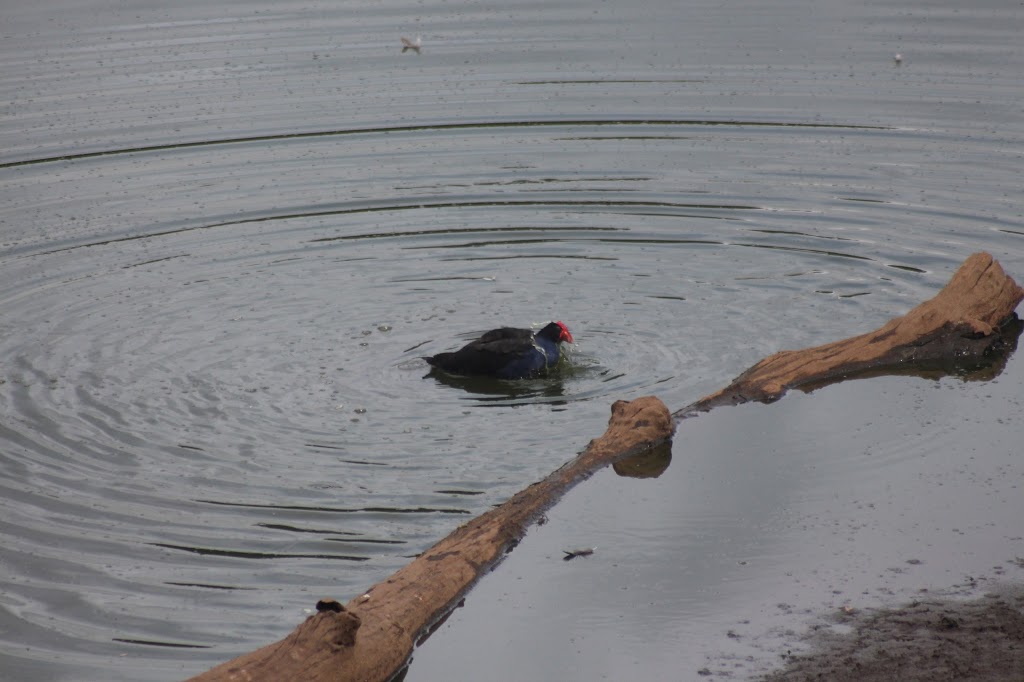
(971, 318)
(372, 637)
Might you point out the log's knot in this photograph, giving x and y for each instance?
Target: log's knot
(329, 605)
(340, 623)
(637, 423)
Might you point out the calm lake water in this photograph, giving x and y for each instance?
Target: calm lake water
(228, 230)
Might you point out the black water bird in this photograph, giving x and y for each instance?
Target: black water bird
(506, 353)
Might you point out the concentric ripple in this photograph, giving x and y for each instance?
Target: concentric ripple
(229, 233)
(231, 398)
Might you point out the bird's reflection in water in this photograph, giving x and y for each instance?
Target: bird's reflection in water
(548, 388)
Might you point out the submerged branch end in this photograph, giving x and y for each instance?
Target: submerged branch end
(972, 317)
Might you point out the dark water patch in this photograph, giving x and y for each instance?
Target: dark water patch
(795, 233)
(443, 279)
(450, 127)
(624, 81)
(171, 645)
(820, 252)
(391, 207)
(624, 137)
(338, 510)
(543, 183)
(522, 255)
(155, 260)
(567, 180)
(663, 214)
(208, 586)
(241, 554)
(421, 343)
(861, 199)
(907, 268)
(460, 231)
(500, 392)
(295, 529)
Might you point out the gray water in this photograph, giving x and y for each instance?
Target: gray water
(229, 230)
(767, 522)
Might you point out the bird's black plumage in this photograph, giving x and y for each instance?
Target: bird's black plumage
(506, 353)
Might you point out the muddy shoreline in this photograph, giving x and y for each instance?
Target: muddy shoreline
(930, 639)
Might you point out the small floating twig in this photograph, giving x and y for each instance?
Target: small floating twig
(413, 45)
(573, 553)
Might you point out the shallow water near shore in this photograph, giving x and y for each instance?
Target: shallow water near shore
(228, 232)
(766, 522)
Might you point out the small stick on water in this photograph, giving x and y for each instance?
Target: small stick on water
(413, 45)
(571, 554)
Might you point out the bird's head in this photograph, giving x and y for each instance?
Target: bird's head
(564, 334)
(555, 331)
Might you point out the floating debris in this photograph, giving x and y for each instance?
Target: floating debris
(413, 45)
(897, 58)
(573, 553)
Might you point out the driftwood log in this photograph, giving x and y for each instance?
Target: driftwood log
(372, 637)
(972, 319)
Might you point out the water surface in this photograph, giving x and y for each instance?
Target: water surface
(767, 521)
(229, 230)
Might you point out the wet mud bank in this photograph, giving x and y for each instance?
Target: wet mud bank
(931, 639)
